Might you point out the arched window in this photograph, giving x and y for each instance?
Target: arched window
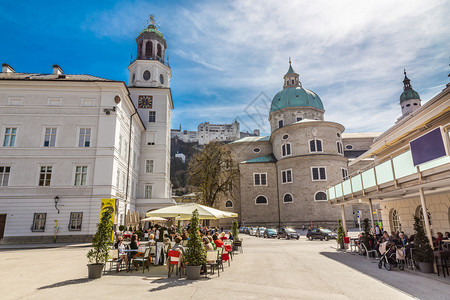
(315, 146)
(287, 198)
(320, 196)
(419, 214)
(148, 49)
(261, 200)
(339, 148)
(229, 203)
(396, 224)
(159, 50)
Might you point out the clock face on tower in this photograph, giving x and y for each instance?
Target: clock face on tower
(145, 101)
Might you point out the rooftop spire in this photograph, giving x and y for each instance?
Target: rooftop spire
(406, 82)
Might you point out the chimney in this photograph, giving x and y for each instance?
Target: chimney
(57, 70)
(7, 69)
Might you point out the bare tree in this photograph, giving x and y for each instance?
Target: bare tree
(212, 173)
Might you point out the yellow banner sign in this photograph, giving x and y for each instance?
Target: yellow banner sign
(108, 204)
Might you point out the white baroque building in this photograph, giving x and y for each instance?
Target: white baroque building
(69, 141)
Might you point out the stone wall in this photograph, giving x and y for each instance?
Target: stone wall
(438, 206)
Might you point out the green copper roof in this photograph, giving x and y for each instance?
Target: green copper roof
(295, 97)
(408, 95)
(262, 159)
(152, 28)
(290, 71)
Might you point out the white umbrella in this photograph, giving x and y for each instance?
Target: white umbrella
(184, 212)
(153, 219)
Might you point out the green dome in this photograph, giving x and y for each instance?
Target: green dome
(408, 95)
(295, 97)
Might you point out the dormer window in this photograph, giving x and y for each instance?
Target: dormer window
(280, 123)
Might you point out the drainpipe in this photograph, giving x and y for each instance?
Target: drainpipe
(128, 162)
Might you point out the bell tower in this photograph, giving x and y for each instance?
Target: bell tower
(150, 68)
(409, 99)
(149, 87)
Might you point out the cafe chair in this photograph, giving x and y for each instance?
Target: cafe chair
(175, 260)
(145, 260)
(212, 260)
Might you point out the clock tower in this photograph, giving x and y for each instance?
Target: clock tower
(149, 86)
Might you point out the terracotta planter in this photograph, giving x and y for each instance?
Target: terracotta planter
(95, 271)
(426, 267)
(193, 272)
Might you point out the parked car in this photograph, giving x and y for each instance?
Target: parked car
(260, 231)
(242, 229)
(253, 231)
(321, 234)
(288, 233)
(270, 233)
(247, 230)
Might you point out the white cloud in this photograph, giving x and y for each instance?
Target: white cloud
(351, 53)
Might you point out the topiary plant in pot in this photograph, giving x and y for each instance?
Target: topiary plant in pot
(423, 253)
(235, 230)
(340, 235)
(99, 253)
(195, 255)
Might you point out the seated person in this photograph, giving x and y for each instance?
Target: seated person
(230, 236)
(151, 239)
(217, 241)
(211, 241)
(439, 238)
(223, 236)
(177, 246)
(122, 254)
(403, 239)
(207, 243)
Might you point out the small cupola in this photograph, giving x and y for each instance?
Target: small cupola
(409, 99)
(57, 70)
(7, 69)
(291, 79)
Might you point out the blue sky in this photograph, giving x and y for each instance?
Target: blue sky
(228, 58)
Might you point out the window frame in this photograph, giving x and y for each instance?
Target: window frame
(33, 226)
(318, 170)
(229, 201)
(10, 135)
(71, 219)
(82, 137)
(78, 181)
(280, 122)
(394, 218)
(287, 202)
(315, 196)
(152, 116)
(148, 187)
(55, 135)
(267, 200)
(5, 174)
(284, 178)
(46, 173)
(316, 146)
(344, 172)
(149, 167)
(260, 179)
(340, 148)
(284, 149)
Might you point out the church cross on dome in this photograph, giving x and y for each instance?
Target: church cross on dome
(151, 21)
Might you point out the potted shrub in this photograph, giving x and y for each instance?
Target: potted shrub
(340, 235)
(99, 253)
(423, 253)
(121, 228)
(235, 230)
(195, 255)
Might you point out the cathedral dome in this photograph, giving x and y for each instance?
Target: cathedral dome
(295, 97)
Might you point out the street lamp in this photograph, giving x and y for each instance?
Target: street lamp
(56, 203)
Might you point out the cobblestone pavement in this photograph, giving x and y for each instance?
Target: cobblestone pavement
(268, 269)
